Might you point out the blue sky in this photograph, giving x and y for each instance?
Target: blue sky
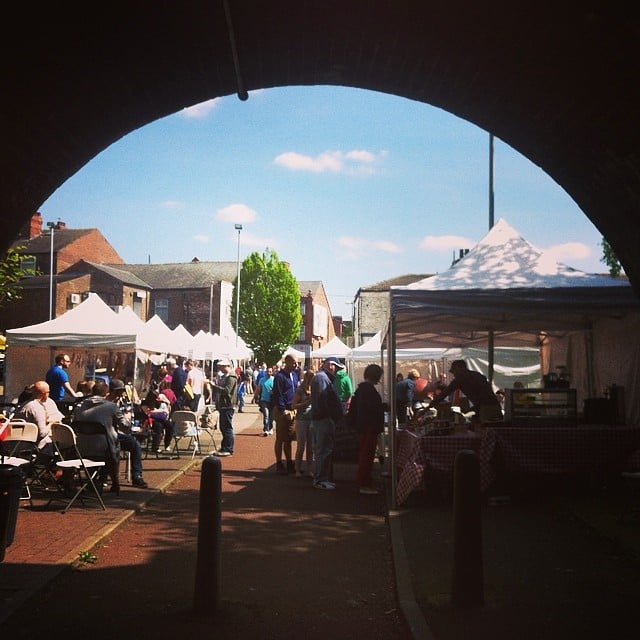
(350, 187)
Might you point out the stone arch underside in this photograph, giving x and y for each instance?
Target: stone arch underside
(557, 84)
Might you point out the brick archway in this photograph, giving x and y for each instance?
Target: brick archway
(556, 84)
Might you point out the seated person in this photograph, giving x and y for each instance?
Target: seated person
(157, 419)
(105, 407)
(42, 411)
(85, 387)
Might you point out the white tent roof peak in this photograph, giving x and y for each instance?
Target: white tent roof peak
(335, 347)
(504, 259)
(91, 323)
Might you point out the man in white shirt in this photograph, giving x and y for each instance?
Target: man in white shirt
(43, 411)
(195, 379)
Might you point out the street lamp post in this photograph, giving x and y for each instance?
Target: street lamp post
(238, 229)
(52, 226)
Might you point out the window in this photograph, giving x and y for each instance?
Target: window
(161, 309)
(28, 265)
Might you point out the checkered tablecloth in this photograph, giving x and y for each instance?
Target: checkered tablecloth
(575, 449)
(420, 455)
(591, 449)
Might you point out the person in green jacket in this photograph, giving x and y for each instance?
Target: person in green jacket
(344, 387)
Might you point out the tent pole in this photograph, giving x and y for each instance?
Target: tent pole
(491, 355)
(491, 223)
(391, 350)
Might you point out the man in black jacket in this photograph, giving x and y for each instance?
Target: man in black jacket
(102, 407)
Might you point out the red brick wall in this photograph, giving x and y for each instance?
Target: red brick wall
(93, 247)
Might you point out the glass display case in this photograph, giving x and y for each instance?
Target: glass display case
(540, 407)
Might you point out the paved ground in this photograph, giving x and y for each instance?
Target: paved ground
(294, 562)
(297, 562)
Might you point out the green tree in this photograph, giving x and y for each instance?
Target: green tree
(11, 273)
(269, 306)
(610, 259)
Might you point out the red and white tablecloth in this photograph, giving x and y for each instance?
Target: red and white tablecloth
(592, 449)
(418, 455)
(595, 449)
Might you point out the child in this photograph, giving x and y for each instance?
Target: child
(242, 389)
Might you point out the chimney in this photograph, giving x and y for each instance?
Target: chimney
(35, 225)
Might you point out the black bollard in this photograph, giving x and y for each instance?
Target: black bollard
(10, 489)
(467, 589)
(206, 598)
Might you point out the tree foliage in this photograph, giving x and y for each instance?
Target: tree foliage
(610, 259)
(269, 306)
(11, 273)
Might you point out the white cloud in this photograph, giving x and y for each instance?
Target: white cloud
(260, 243)
(237, 212)
(172, 204)
(353, 248)
(386, 246)
(200, 111)
(201, 238)
(357, 161)
(569, 251)
(446, 243)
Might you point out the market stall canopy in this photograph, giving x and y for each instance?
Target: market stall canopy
(370, 351)
(211, 346)
(91, 324)
(183, 341)
(507, 286)
(131, 317)
(155, 336)
(298, 355)
(335, 347)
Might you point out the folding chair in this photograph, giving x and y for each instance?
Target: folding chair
(95, 444)
(83, 471)
(208, 424)
(19, 450)
(185, 427)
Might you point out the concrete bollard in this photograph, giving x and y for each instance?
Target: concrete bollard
(467, 587)
(207, 591)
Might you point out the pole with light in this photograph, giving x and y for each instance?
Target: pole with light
(238, 229)
(52, 226)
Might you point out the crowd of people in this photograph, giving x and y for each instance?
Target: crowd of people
(302, 406)
(129, 422)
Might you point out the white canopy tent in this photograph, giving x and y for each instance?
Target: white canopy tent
(92, 323)
(183, 341)
(335, 347)
(508, 291)
(92, 333)
(296, 353)
(510, 363)
(155, 336)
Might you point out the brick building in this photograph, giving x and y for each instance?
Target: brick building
(196, 294)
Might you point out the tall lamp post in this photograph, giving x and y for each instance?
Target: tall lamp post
(238, 229)
(52, 226)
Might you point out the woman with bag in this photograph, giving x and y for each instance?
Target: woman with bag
(366, 414)
(302, 406)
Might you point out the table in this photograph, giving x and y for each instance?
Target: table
(420, 456)
(592, 449)
(584, 449)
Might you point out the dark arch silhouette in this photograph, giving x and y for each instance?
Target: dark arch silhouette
(559, 84)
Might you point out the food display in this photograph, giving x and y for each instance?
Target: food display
(432, 422)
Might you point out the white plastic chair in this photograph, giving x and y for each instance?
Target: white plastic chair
(20, 439)
(208, 424)
(185, 427)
